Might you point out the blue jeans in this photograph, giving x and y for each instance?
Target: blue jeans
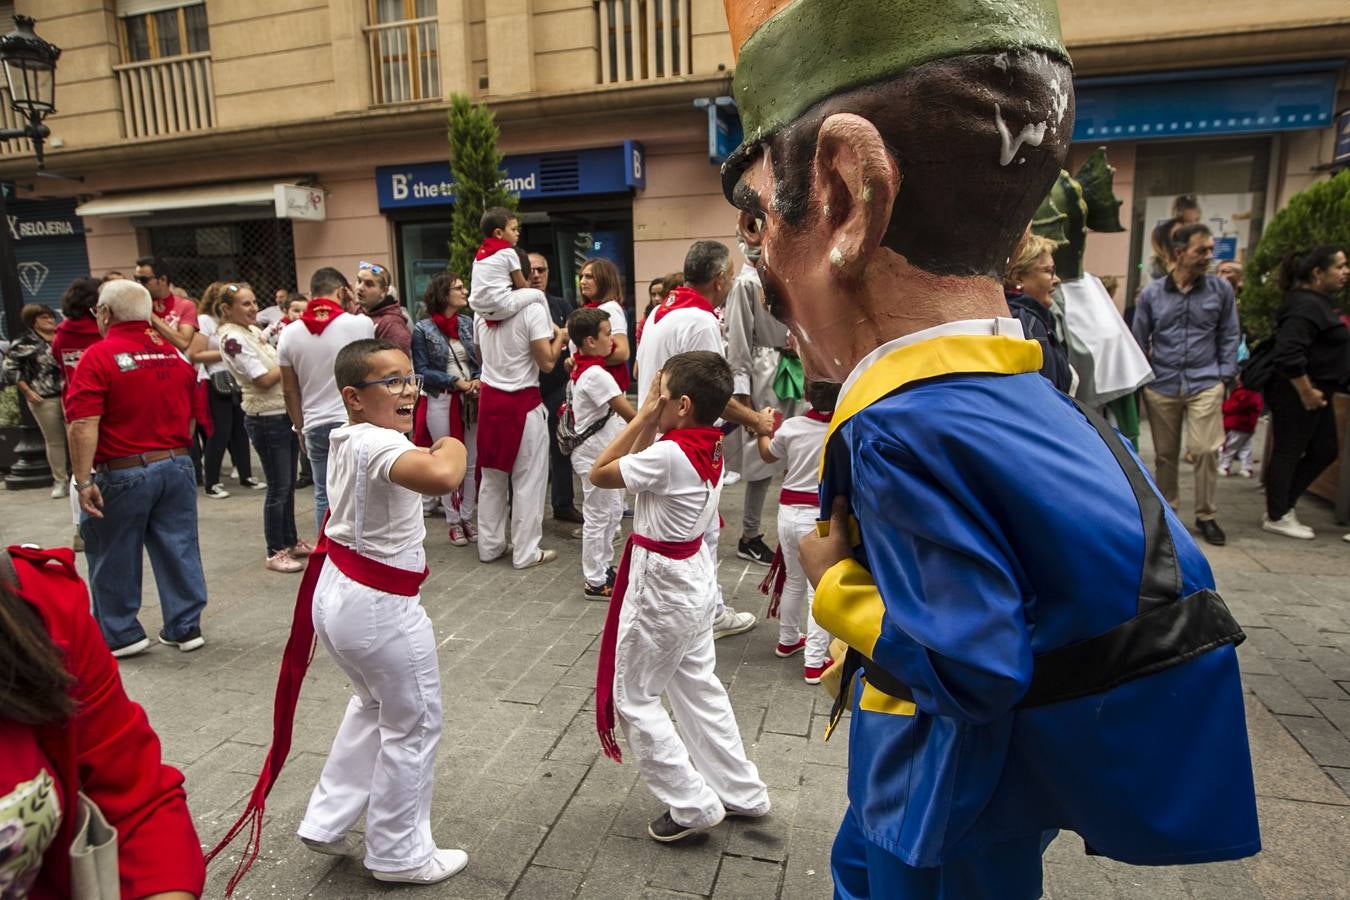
(277, 447)
(151, 508)
(316, 445)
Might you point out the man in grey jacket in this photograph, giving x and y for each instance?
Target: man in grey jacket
(1186, 322)
(755, 341)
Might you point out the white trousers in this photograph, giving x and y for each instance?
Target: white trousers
(1236, 445)
(795, 523)
(601, 508)
(523, 490)
(665, 644)
(460, 505)
(384, 755)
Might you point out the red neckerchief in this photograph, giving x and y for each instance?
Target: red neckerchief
(817, 416)
(703, 445)
(319, 314)
(581, 362)
(449, 325)
(490, 246)
(683, 298)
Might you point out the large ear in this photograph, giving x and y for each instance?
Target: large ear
(856, 181)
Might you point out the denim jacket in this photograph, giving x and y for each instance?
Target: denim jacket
(431, 355)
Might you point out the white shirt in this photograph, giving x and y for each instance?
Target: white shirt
(508, 361)
(618, 322)
(670, 494)
(490, 281)
(207, 326)
(799, 440)
(269, 316)
(312, 356)
(368, 512)
(1007, 327)
(678, 332)
(591, 394)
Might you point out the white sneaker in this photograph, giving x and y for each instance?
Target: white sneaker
(344, 846)
(282, 561)
(441, 866)
(60, 490)
(217, 492)
(730, 478)
(1289, 526)
(731, 622)
(545, 556)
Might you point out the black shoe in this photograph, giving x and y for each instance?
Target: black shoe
(187, 643)
(666, 829)
(611, 576)
(1211, 532)
(569, 514)
(598, 592)
(755, 550)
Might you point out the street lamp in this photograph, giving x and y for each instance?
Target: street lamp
(30, 73)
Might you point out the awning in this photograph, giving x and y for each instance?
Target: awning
(242, 193)
(1202, 102)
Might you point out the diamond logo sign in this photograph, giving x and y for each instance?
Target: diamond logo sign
(32, 275)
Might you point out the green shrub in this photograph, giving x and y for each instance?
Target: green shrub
(1318, 215)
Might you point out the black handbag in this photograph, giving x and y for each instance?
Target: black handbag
(224, 385)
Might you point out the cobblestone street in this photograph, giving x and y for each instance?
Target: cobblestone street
(521, 784)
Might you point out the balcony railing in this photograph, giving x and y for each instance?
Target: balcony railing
(11, 119)
(404, 62)
(643, 39)
(167, 96)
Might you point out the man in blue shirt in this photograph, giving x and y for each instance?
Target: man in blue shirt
(1186, 322)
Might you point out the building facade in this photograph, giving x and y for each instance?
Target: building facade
(243, 139)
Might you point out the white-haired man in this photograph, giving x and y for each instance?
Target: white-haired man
(130, 413)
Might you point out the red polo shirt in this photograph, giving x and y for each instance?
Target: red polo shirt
(176, 311)
(139, 386)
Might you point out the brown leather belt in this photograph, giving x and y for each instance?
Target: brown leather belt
(142, 459)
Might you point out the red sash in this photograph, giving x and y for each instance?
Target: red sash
(449, 326)
(776, 577)
(295, 661)
(501, 423)
(319, 314)
(683, 298)
(490, 246)
(609, 638)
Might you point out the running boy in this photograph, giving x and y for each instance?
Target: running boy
(498, 288)
(660, 638)
(595, 400)
(799, 440)
(368, 616)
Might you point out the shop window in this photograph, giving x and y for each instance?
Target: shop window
(151, 30)
(259, 251)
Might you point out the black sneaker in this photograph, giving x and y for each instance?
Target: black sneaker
(611, 576)
(187, 643)
(755, 550)
(598, 591)
(667, 830)
(1211, 532)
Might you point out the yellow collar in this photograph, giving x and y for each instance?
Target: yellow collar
(933, 358)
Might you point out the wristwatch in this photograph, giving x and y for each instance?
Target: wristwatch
(81, 485)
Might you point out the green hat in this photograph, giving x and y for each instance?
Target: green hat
(791, 54)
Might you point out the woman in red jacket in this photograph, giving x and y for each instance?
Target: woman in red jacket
(67, 726)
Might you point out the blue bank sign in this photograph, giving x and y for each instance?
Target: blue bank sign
(572, 173)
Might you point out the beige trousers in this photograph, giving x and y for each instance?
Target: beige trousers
(52, 424)
(1203, 415)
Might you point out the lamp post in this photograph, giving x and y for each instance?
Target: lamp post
(30, 73)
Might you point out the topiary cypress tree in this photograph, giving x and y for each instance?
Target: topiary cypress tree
(1318, 215)
(476, 167)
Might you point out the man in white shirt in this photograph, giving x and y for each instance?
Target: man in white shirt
(306, 352)
(686, 320)
(513, 432)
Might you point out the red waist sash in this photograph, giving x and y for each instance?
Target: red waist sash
(776, 577)
(501, 422)
(609, 638)
(798, 498)
(294, 663)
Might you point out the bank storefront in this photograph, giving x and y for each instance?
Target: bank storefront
(574, 204)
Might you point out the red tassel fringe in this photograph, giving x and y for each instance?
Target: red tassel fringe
(773, 582)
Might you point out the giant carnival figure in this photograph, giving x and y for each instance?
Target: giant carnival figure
(1034, 639)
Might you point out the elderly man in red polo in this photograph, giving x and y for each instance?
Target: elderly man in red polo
(130, 413)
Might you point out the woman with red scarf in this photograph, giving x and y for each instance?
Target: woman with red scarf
(443, 354)
(601, 287)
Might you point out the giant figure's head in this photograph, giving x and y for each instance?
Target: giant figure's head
(894, 152)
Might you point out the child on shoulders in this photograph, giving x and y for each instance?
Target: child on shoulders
(596, 402)
(658, 635)
(498, 288)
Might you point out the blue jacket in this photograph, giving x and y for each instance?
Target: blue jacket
(994, 525)
(431, 354)
(1191, 340)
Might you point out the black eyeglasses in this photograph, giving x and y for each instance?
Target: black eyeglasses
(395, 384)
(145, 279)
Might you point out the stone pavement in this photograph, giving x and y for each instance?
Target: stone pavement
(520, 783)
